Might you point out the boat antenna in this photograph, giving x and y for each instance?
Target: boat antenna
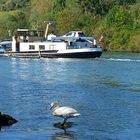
(47, 27)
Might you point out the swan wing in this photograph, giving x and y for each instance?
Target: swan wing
(66, 112)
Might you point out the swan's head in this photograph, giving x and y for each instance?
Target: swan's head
(54, 105)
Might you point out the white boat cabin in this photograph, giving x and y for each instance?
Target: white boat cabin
(27, 40)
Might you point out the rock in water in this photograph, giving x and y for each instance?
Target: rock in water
(6, 120)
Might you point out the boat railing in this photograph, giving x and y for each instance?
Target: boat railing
(72, 39)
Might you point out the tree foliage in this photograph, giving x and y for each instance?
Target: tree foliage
(59, 5)
(7, 5)
(119, 16)
(11, 21)
(117, 20)
(101, 7)
(40, 11)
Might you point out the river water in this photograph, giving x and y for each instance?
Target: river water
(106, 92)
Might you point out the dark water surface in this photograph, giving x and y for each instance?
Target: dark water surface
(106, 91)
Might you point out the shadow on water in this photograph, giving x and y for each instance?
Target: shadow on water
(65, 135)
(4, 127)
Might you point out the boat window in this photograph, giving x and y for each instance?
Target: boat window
(31, 33)
(31, 47)
(40, 33)
(22, 33)
(81, 35)
(42, 47)
(69, 34)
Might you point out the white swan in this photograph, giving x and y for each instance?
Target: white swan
(64, 111)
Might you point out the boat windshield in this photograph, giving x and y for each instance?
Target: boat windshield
(30, 33)
(81, 34)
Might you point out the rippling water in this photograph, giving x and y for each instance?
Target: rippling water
(106, 91)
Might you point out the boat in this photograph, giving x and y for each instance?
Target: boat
(5, 47)
(33, 44)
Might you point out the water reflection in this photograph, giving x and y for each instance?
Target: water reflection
(65, 135)
(64, 127)
(110, 81)
(3, 127)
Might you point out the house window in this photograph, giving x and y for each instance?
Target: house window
(42, 47)
(31, 47)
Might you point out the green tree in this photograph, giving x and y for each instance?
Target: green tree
(126, 2)
(11, 21)
(40, 11)
(59, 4)
(118, 17)
(101, 7)
(7, 5)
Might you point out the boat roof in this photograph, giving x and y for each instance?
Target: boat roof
(26, 30)
(77, 31)
(5, 42)
(23, 30)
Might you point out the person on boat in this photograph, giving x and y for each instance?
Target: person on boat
(95, 42)
(25, 38)
(17, 41)
(50, 36)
